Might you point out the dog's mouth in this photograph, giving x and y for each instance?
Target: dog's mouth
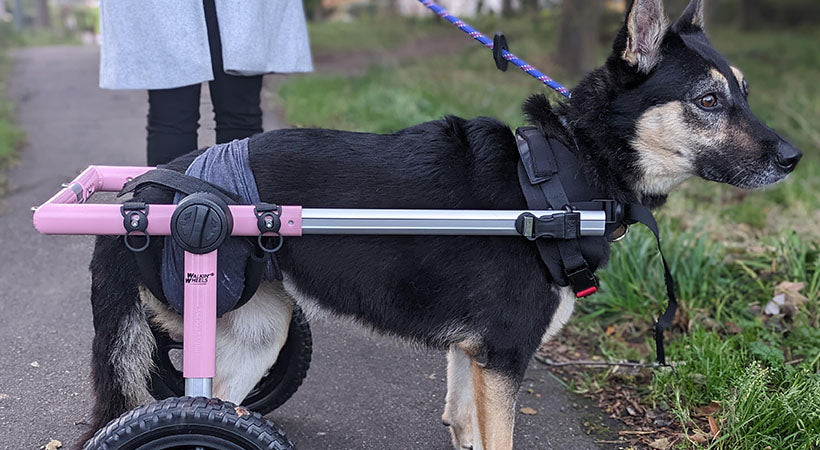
(748, 176)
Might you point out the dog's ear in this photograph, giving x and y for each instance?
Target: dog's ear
(692, 18)
(640, 41)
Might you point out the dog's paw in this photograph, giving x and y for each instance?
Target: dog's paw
(462, 436)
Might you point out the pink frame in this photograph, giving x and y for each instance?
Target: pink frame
(68, 213)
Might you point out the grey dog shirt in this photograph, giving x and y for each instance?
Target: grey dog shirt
(226, 166)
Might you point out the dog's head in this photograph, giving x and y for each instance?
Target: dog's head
(682, 109)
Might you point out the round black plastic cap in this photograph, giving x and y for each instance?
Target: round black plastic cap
(201, 223)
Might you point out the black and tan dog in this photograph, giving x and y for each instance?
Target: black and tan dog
(664, 107)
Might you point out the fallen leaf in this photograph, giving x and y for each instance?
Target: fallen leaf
(610, 330)
(713, 426)
(432, 376)
(708, 410)
(241, 411)
(53, 444)
(661, 444)
(793, 298)
(34, 364)
(528, 411)
(699, 438)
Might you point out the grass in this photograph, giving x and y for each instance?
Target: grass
(730, 251)
(11, 135)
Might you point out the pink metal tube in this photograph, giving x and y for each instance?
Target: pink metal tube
(67, 213)
(199, 316)
(106, 219)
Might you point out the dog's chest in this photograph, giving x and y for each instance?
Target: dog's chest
(566, 304)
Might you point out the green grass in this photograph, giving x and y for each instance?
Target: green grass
(728, 249)
(11, 135)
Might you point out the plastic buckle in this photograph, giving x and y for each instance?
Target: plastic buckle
(135, 220)
(583, 282)
(268, 221)
(563, 225)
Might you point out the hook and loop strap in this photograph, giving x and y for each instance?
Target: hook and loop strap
(641, 214)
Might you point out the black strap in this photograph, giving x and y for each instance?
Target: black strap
(179, 182)
(544, 169)
(186, 184)
(641, 214)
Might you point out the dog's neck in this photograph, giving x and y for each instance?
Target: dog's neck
(604, 154)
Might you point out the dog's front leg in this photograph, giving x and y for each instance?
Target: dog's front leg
(480, 407)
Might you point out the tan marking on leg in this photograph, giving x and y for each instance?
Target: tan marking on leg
(495, 408)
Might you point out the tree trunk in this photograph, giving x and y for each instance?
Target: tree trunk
(578, 35)
(506, 8)
(43, 14)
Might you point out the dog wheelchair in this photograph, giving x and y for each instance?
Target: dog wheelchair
(185, 412)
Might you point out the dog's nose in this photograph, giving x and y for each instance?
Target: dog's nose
(788, 156)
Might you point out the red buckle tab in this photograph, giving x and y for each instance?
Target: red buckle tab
(586, 292)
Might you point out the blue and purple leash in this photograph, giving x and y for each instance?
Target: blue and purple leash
(485, 41)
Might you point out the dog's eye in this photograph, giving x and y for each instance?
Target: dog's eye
(745, 88)
(708, 101)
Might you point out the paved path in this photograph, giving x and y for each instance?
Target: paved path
(362, 392)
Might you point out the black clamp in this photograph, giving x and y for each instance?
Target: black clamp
(268, 220)
(135, 220)
(563, 225)
(499, 45)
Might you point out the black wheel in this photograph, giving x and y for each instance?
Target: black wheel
(272, 391)
(187, 423)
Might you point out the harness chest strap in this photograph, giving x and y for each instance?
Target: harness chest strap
(538, 176)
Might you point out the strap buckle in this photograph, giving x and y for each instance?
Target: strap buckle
(583, 281)
(563, 225)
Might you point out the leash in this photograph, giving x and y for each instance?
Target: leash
(499, 43)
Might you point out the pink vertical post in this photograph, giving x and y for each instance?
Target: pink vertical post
(199, 340)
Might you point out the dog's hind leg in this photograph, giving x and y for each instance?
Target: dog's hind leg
(123, 342)
(248, 341)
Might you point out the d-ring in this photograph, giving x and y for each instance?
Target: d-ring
(270, 250)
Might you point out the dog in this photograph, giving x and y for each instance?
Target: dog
(664, 107)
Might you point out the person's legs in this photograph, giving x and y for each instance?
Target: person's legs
(236, 99)
(173, 119)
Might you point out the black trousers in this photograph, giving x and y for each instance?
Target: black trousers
(173, 114)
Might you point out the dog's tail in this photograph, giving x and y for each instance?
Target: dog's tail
(123, 342)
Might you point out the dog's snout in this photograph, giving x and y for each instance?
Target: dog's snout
(788, 156)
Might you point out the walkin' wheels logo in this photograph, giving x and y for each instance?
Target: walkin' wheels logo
(197, 278)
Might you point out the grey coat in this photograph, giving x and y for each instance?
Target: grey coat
(161, 44)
